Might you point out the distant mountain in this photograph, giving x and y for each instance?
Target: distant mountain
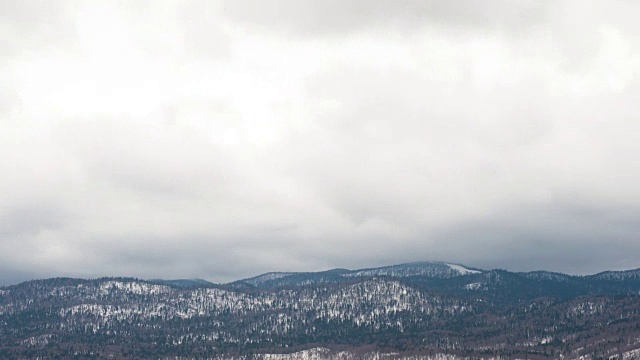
(438, 270)
(265, 278)
(547, 275)
(628, 275)
(426, 310)
(185, 283)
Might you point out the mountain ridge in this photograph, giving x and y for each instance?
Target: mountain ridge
(434, 269)
(413, 309)
(386, 270)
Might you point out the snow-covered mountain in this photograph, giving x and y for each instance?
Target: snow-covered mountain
(421, 310)
(432, 269)
(438, 270)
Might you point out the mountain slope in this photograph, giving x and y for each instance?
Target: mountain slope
(438, 270)
(424, 309)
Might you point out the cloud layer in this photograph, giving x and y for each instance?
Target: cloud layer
(224, 139)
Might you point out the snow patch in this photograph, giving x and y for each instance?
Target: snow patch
(462, 270)
(40, 340)
(473, 286)
(631, 354)
(326, 354)
(546, 340)
(138, 288)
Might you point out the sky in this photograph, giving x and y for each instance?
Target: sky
(224, 139)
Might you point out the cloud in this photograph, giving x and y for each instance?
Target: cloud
(565, 234)
(224, 139)
(33, 26)
(336, 17)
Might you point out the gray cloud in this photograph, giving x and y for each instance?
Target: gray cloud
(563, 234)
(29, 220)
(34, 25)
(331, 17)
(224, 139)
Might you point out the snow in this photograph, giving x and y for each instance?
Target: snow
(138, 288)
(585, 308)
(546, 340)
(40, 340)
(473, 286)
(462, 270)
(326, 354)
(430, 269)
(631, 354)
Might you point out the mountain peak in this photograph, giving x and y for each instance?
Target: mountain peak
(430, 269)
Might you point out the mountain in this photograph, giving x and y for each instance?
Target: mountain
(186, 283)
(265, 278)
(431, 269)
(628, 275)
(426, 310)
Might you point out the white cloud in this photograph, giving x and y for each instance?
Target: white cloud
(223, 139)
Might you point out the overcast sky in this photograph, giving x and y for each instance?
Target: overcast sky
(223, 139)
